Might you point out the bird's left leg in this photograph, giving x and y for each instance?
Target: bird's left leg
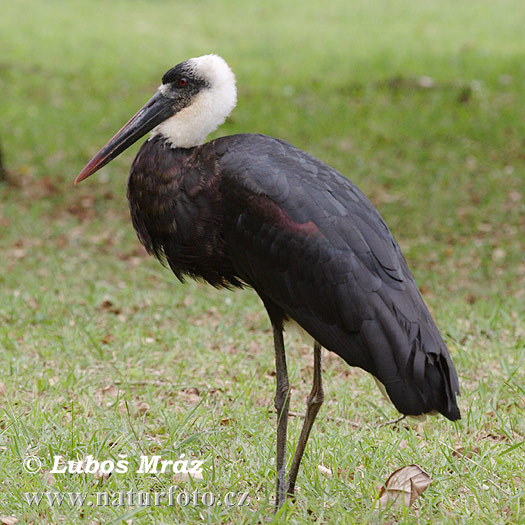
(282, 402)
(313, 404)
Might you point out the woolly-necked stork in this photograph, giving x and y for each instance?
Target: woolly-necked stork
(252, 210)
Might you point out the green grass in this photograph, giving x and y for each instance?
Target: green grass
(82, 308)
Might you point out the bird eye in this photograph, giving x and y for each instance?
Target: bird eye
(183, 82)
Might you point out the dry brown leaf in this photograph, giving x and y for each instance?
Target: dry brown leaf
(325, 471)
(192, 390)
(190, 395)
(110, 390)
(188, 300)
(344, 474)
(108, 306)
(142, 407)
(107, 339)
(404, 486)
(403, 444)
(102, 476)
(2, 388)
(461, 451)
(184, 476)
(498, 254)
(8, 520)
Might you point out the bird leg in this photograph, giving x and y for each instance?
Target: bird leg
(313, 404)
(282, 402)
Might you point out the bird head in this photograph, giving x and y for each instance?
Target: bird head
(195, 97)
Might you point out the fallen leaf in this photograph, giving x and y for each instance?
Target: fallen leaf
(142, 407)
(344, 474)
(325, 471)
(426, 82)
(403, 444)
(460, 451)
(404, 486)
(108, 306)
(110, 390)
(184, 476)
(102, 476)
(106, 340)
(188, 300)
(498, 254)
(5, 520)
(190, 395)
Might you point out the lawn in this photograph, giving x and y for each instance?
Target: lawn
(420, 103)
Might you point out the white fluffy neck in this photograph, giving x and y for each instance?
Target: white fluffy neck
(209, 109)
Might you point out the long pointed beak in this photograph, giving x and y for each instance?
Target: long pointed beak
(157, 109)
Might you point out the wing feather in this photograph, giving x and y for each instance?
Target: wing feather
(304, 236)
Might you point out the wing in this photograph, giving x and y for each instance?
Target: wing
(306, 238)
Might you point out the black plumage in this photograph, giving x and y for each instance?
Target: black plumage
(256, 210)
(252, 210)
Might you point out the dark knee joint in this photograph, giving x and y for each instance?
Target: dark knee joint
(316, 398)
(281, 397)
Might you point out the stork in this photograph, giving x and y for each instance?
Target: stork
(253, 210)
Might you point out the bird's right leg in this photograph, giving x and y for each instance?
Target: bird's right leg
(282, 402)
(313, 404)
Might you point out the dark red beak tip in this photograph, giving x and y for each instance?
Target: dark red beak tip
(157, 109)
